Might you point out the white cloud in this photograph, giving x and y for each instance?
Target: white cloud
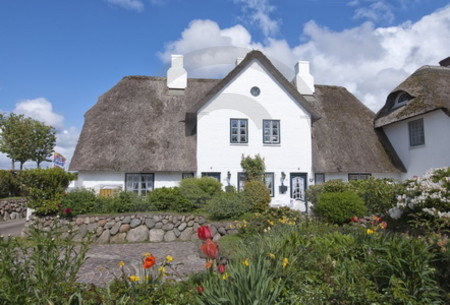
(39, 109)
(258, 12)
(369, 61)
(376, 11)
(136, 5)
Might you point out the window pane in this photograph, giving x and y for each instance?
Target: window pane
(416, 133)
(234, 123)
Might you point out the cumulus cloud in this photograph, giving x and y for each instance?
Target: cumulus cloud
(369, 61)
(258, 12)
(373, 10)
(136, 5)
(42, 110)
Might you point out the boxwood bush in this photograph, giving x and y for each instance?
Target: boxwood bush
(9, 185)
(200, 190)
(256, 196)
(339, 207)
(169, 198)
(226, 206)
(79, 201)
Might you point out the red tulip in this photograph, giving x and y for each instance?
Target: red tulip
(210, 249)
(204, 233)
(354, 219)
(200, 289)
(221, 268)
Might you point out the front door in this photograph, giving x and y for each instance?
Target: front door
(298, 188)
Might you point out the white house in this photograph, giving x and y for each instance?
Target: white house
(416, 119)
(149, 132)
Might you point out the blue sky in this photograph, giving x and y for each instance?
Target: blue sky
(57, 57)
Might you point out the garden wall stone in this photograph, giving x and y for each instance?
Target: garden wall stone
(138, 227)
(11, 209)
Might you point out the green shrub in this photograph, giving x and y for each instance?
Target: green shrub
(123, 202)
(169, 199)
(331, 186)
(256, 196)
(339, 207)
(200, 190)
(45, 188)
(79, 201)
(254, 168)
(256, 283)
(379, 195)
(9, 186)
(43, 268)
(230, 189)
(226, 206)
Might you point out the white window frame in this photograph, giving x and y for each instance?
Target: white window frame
(241, 131)
(269, 132)
(140, 183)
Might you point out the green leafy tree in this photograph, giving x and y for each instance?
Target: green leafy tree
(254, 168)
(16, 138)
(23, 139)
(43, 143)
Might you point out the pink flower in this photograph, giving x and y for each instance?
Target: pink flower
(221, 268)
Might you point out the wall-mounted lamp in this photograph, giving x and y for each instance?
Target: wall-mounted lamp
(283, 188)
(228, 177)
(283, 176)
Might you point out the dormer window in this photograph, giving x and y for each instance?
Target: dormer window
(401, 99)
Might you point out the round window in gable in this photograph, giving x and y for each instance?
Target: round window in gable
(255, 91)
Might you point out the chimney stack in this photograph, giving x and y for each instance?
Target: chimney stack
(177, 75)
(304, 81)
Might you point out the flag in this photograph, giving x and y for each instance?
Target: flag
(58, 160)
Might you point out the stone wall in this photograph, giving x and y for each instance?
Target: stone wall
(12, 209)
(140, 227)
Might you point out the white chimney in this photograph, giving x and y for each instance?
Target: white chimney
(239, 60)
(177, 75)
(304, 81)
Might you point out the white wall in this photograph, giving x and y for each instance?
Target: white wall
(98, 180)
(434, 153)
(215, 153)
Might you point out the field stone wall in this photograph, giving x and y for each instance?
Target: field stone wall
(139, 227)
(11, 209)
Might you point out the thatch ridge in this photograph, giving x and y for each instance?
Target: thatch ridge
(429, 88)
(258, 55)
(344, 140)
(137, 126)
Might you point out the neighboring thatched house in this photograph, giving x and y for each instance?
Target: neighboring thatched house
(150, 132)
(416, 119)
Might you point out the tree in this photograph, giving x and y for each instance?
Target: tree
(43, 143)
(23, 139)
(254, 168)
(16, 138)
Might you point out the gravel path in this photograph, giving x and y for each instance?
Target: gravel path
(101, 262)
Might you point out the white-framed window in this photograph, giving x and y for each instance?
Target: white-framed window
(359, 176)
(271, 131)
(215, 175)
(319, 178)
(238, 131)
(268, 180)
(416, 133)
(401, 99)
(141, 184)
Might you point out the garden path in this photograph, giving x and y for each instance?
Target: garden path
(101, 265)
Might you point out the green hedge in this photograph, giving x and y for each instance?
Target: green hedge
(339, 207)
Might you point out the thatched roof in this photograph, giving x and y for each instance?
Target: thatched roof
(137, 126)
(429, 88)
(344, 139)
(265, 62)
